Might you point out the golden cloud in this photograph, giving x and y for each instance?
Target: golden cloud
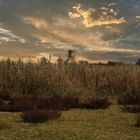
(107, 16)
(38, 23)
(137, 18)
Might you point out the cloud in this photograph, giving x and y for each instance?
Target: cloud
(46, 26)
(107, 16)
(137, 18)
(37, 22)
(6, 35)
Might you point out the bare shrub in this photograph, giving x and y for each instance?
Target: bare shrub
(4, 106)
(57, 102)
(20, 103)
(39, 116)
(129, 99)
(96, 103)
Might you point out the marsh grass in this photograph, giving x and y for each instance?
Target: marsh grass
(44, 78)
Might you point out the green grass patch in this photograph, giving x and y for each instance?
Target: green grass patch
(75, 124)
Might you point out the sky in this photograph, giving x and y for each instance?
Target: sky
(99, 30)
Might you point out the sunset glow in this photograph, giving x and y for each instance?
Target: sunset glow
(97, 30)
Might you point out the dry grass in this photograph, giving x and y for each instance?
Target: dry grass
(131, 108)
(72, 79)
(138, 121)
(4, 126)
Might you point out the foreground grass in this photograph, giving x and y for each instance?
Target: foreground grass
(74, 125)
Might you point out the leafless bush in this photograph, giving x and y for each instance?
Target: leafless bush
(129, 99)
(39, 116)
(95, 103)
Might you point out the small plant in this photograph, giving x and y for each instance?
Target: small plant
(138, 121)
(39, 116)
(96, 103)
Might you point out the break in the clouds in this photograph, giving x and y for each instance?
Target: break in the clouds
(98, 30)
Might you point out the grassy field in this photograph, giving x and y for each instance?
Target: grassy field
(76, 124)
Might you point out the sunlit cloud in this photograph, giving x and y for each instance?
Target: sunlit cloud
(108, 16)
(37, 22)
(96, 29)
(138, 18)
(46, 39)
(7, 35)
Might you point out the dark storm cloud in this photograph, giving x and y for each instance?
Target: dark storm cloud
(45, 25)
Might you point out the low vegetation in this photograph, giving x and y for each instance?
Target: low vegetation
(131, 108)
(129, 99)
(82, 79)
(39, 116)
(74, 124)
(22, 103)
(138, 121)
(130, 102)
(96, 103)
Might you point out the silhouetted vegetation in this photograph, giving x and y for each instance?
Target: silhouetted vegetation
(130, 102)
(96, 103)
(54, 102)
(129, 99)
(39, 116)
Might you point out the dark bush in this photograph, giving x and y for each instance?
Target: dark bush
(20, 103)
(4, 106)
(96, 103)
(57, 102)
(39, 116)
(129, 99)
(138, 121)
(70, 102)
(131, 108)
(4, 94)
(50, 102)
